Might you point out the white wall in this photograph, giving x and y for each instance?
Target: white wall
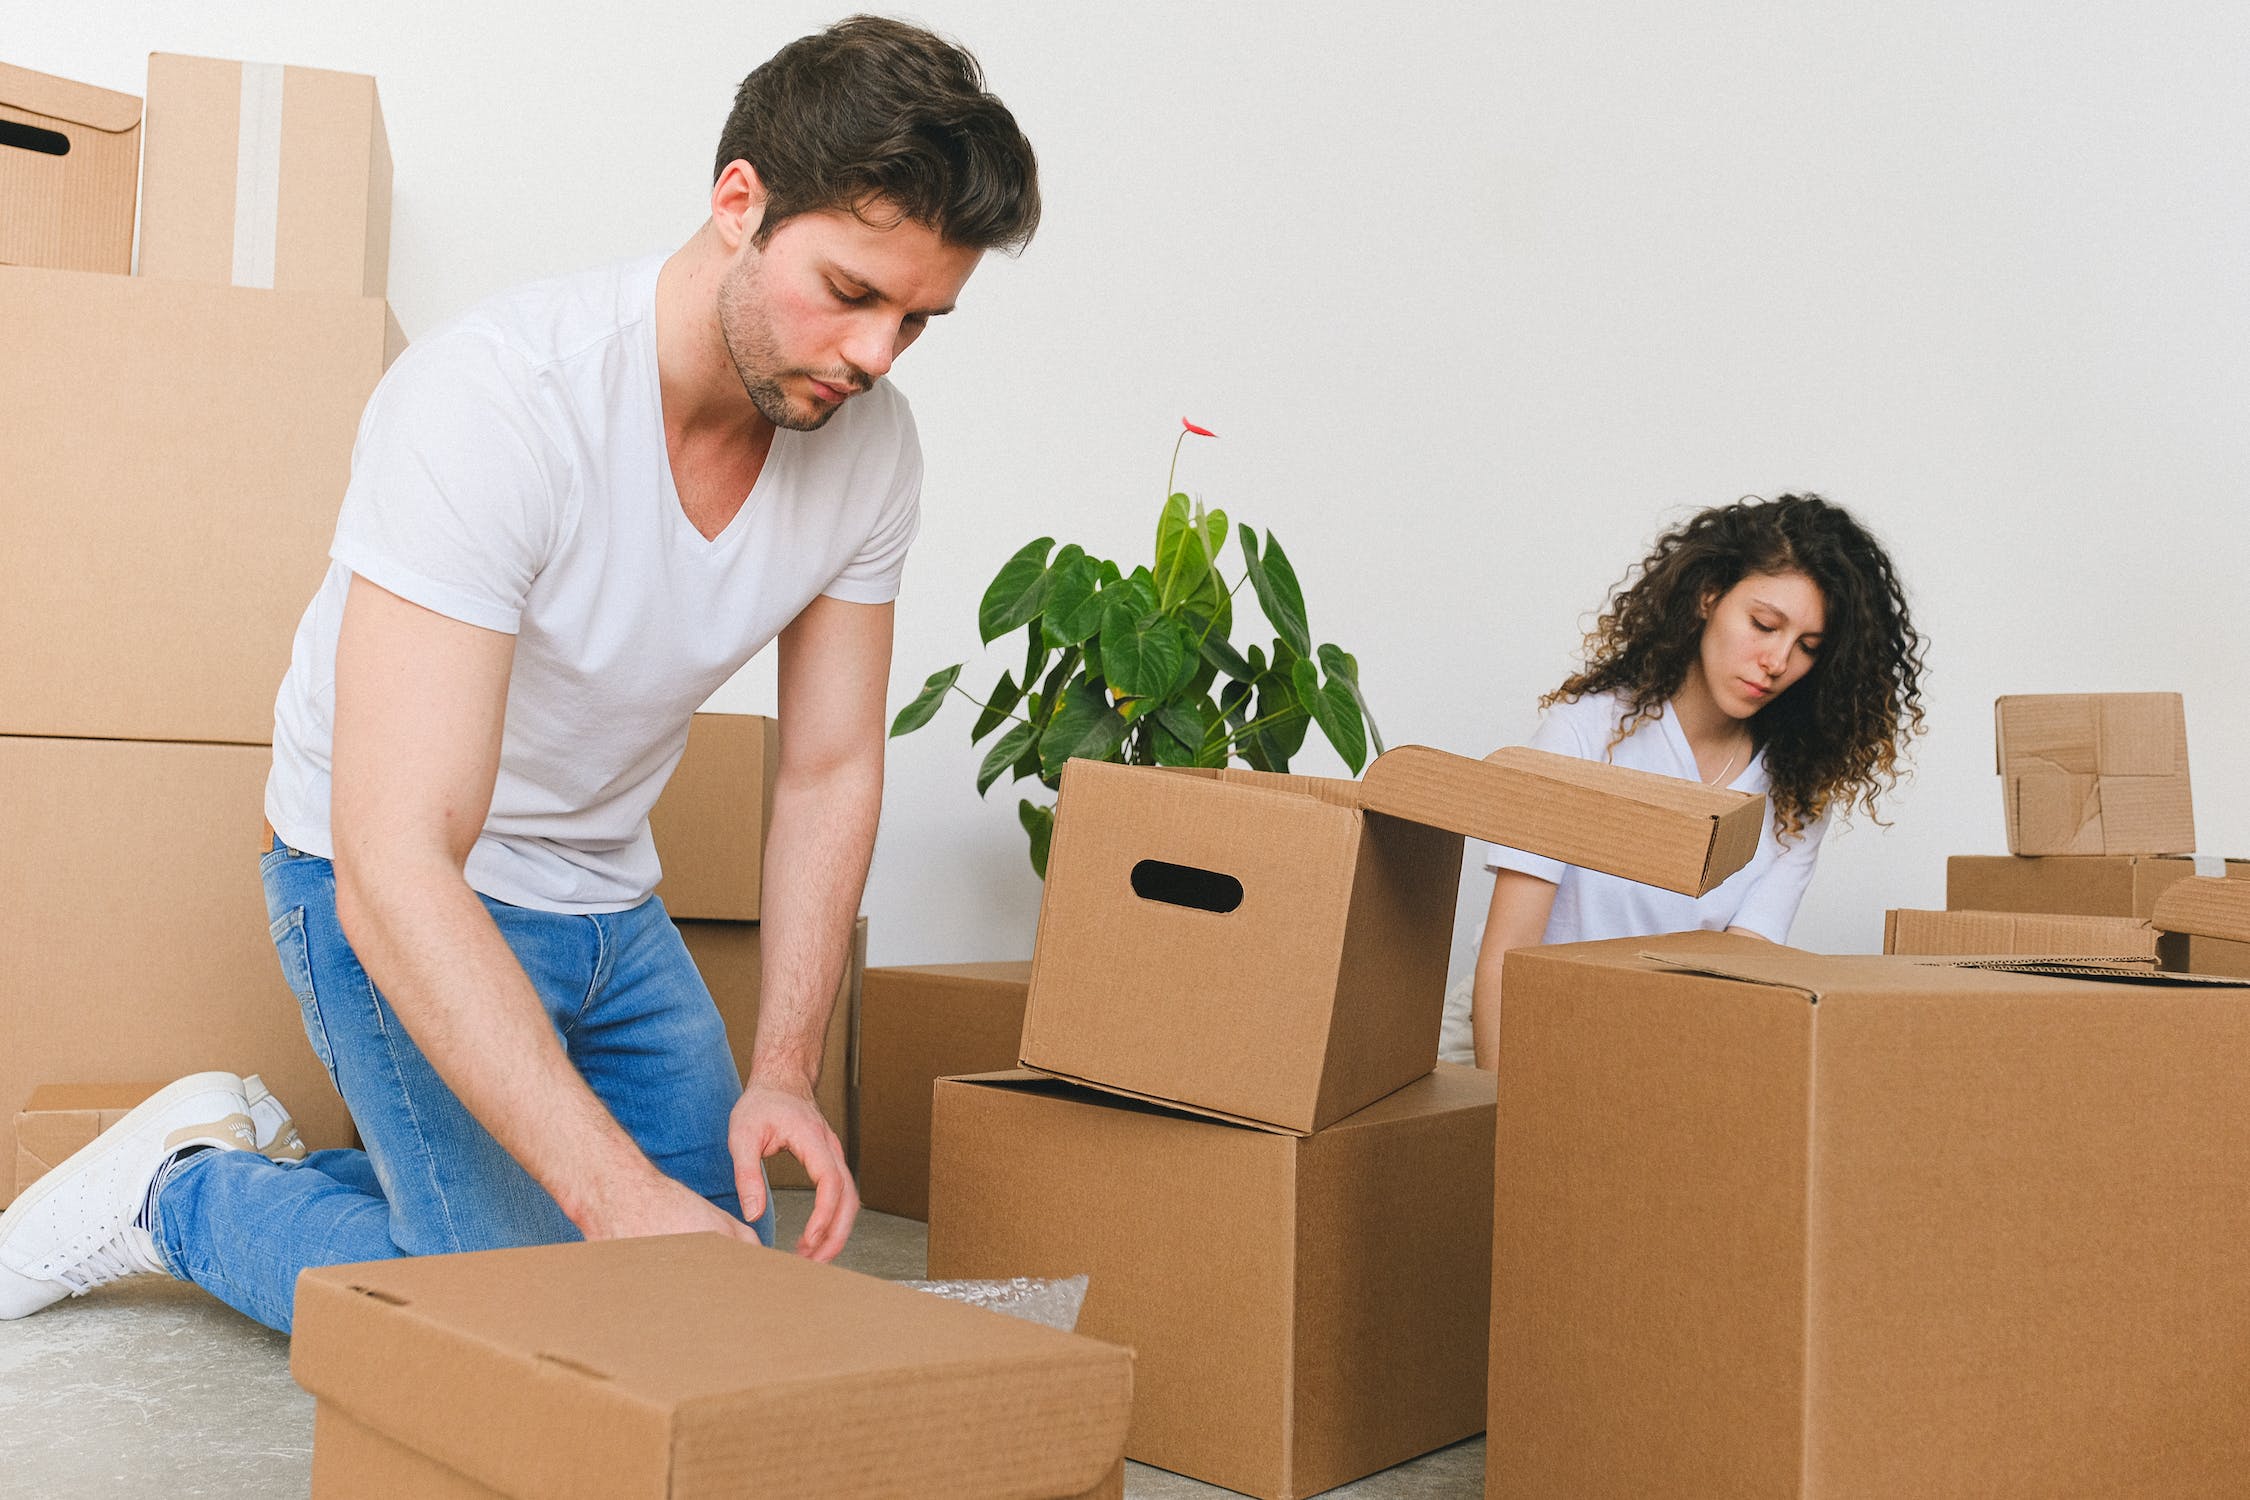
(1478, 298)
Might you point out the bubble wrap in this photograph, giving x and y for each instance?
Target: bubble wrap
(1053, 1304)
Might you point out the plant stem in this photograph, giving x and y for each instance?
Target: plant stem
(980, 703)
(1277, 716)
(1172, 474)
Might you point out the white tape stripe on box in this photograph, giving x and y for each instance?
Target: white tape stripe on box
(257, 175)
(2210, 866)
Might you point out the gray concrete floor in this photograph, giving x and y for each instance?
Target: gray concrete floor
(152, 1389)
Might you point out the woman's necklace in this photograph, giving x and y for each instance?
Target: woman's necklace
(1721, 778)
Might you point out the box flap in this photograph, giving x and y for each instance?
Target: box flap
(1821, 977)
(2206, 906)
(1658, 830)
(1029, 1077)
(1998, 933)
(63, 99)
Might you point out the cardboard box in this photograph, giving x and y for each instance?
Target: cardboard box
(730, 956)
(259, 175)
(1968, 933)
(2204, 927)
(1305, 1309)
(2122, 885)
(689, 1366)
(2095, 773)
(138, 943)
(69, 157)
(917, 1025)
(1272, 949)
(710, 823)
(1776, 1224)
(59, 1118)
(170, 473)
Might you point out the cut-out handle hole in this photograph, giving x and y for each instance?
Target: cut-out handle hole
(31, 138)
(1185, 885)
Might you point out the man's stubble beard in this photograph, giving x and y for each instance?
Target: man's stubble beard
(747, 333)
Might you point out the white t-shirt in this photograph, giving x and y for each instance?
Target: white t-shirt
(511, 472)
(1761, 897)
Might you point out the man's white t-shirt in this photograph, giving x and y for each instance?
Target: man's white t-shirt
(511, 472)
(1762, 896)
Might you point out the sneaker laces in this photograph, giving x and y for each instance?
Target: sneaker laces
(129, 1252)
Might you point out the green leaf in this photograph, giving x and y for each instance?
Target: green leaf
(1179, 732)
(1005, 752)
(1051, 689)
(1217, 744)
(1214, 647)
(1183, 557)
(1085, 726)
(1214, 535)
(1234, 703)
(1034, 656)
(1015, 594)
(1039, 823)
(1005, 696)
(925, 704)
(1071, 586)
(1278, 592)
(1339, 663)
(1278, 701)
(1336, 711)
(1142, 655)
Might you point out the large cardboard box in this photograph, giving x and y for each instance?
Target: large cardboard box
(710, 822)
(1273, 948)
(2095, 773)
(138, 945)
(170, 470)
(917, 1025)
(69, 157)
(2119, 885)
(59, 1118)
(684, 1367)
(2204, 927)
(1969, 933)
(260, 175)
(1305, 1309)
(731, 957)
(1775, 1224)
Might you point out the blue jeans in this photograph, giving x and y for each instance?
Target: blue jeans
(631, 1012)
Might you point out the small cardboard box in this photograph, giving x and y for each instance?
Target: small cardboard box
(69, 157)
(59, 1118)
(917, 1025)
(2120, 885)
(1305, 1309)
(1970, 933)
(259, 175)
(1771, 1223)
(710, 822)
(170, 471)
(1272, 949)
(731, 958)
(684, 1367)
(139, 945)
(2095, 773)
(2204, 927)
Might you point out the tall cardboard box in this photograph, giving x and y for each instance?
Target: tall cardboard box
(1273, 948)
(2204, 927)
(917, 1025)
(138, 944)
(260, 175)
(1305, 1309)
(2095, 773)
(70, 155)
(1770, 1224)
(170, 471)
(710, 822)
(1972, 933)
(730, 956)
(689, 1367)
(2118, 885)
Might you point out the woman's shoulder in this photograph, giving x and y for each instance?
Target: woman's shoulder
(1583, 726)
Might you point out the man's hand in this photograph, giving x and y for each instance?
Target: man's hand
(769, 1119)
(651, 1203)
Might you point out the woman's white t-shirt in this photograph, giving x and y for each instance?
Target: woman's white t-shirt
(511, 472)
(1761, 897)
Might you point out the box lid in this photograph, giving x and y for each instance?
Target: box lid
(676, 1367)
(1972, 933)
(1818, 977)
(2206, 906)
(63, 99)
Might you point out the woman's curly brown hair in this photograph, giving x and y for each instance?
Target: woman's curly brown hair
(1834, 738)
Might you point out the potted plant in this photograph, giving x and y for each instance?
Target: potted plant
(1140, 666)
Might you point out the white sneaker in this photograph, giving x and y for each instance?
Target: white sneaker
(277, 1133)
(84, 1225)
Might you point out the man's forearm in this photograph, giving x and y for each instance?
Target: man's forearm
(817, 850)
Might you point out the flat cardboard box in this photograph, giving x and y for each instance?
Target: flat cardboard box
(710, 822)
(1272, 949)
(689, 1366)
(730, 956)
(59, 1118)
(2204, 927)
(2121, 885)
(170, 471)
(139, 946)
(260, 175)
(70, 155)
(1305, 1309)
(916, 1025)
(2095, 773)
(1776, 1224)
(1969, 933)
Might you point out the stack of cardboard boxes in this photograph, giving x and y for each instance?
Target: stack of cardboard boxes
(1232, 1118)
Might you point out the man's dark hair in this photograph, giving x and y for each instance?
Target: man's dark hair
(875, 112)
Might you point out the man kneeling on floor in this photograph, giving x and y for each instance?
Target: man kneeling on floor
(572, 515)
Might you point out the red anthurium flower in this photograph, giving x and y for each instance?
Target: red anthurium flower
(1198, 431)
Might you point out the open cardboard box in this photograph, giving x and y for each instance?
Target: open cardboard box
(1272, 949)
(2204, 927)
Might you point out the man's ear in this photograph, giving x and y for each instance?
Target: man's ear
(738, 203)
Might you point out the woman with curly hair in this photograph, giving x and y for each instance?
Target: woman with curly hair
(1763, 646)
